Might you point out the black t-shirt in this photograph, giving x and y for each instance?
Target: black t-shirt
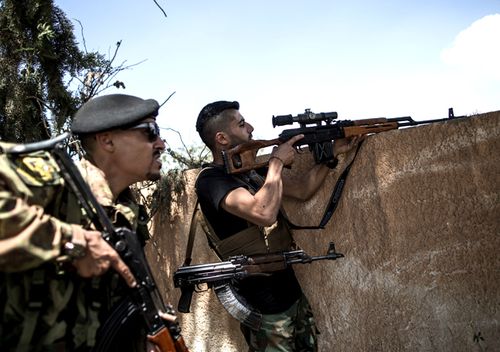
(212, 186)
(269, 294)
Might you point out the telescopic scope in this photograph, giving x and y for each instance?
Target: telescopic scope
(305, 118)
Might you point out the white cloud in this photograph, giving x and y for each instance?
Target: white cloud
(476, 50)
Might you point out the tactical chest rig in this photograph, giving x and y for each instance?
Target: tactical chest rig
(250, 241)
(254, 239)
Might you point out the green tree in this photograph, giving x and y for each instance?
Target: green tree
(176, 160)
(45, 77)
(40, 66)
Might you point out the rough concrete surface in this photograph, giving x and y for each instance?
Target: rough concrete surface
(419, 225)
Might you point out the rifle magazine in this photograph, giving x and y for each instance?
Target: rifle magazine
(237, 307)
(123, 322)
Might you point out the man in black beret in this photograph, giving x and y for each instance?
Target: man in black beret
(49, 307)
(111, 129)
(122, 143)
(245, 217)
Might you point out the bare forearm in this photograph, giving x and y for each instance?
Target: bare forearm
(262, 207)
(306, 185)
(268, 198)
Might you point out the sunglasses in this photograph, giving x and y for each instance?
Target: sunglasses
(152, 129)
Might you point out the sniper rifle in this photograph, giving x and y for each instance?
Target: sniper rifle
(319, 137)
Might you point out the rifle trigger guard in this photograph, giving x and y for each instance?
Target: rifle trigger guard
(199, 288)
(299, 149)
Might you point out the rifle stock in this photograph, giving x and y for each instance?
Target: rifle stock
(242, 157)
(164, 341)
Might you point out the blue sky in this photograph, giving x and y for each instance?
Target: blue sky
(360, 58)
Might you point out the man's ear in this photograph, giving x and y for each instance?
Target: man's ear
(222, 139)
(105, 141)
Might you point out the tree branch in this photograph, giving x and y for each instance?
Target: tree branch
(164, 13)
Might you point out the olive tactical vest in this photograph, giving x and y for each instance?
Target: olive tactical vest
(254, 239)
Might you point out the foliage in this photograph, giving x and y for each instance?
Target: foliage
(172, 185)
(39, 64)
(45, 77)
(187, 157)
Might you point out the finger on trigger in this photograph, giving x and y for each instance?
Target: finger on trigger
(294, 139)
(125, 272)
(168, 317)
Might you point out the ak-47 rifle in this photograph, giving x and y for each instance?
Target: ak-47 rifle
(319, 137)
(145, 297)
(188, 278)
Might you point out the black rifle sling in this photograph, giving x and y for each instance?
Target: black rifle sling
(198, 217)
(192, 233)
(332, 203)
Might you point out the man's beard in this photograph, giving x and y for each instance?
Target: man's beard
(153, 176)
(234, 144)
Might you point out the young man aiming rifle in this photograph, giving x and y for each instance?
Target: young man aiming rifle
(243, 212)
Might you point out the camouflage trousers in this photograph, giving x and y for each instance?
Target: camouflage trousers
(293, 330)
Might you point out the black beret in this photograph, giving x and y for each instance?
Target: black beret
(212, 110)
(112, 111)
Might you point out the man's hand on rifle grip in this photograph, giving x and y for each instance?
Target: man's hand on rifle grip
(100, 257)
(286, 151)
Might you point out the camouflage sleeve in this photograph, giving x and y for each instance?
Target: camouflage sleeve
(28, 236)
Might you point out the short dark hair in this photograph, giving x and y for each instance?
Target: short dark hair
(208, 122)
(87, 141)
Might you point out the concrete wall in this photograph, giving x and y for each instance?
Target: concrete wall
(419, 224)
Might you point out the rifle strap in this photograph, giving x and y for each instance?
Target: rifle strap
(334, 199)
(213, 241)
(35, 302)
(192, 232)
(198, 217)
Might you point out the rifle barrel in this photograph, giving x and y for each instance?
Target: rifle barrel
(412, 122)
(77, 184)
(42, 145)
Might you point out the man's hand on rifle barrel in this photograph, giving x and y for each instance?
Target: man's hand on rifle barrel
(344, 145)
(100, 257)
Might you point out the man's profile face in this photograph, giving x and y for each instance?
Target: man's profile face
(238, 131)
(138, 151)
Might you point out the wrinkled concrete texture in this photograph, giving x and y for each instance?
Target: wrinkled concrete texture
(419, 224)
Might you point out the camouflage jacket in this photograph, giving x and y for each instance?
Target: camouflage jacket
(43, 301)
